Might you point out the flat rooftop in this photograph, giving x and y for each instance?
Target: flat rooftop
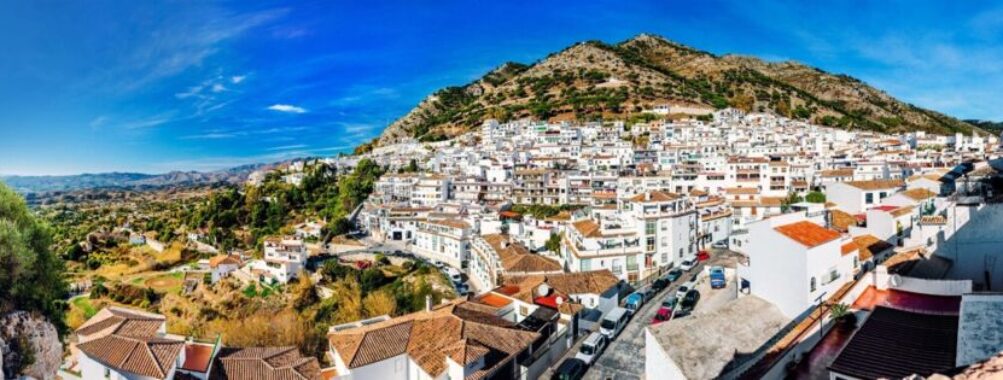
(980, 327)
(705, 344)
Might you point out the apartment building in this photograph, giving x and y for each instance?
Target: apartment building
(444, 240)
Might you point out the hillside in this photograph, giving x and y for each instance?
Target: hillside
(593, 80)
(130, 181)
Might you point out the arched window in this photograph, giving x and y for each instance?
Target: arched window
(813, 284)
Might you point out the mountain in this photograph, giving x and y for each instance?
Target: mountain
(591, 80)
(133, 181)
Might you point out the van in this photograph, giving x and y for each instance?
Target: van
(591, 348)
(614, 322)
(634, 302)
(717, 278)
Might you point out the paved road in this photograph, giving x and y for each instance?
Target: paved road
(624, 358)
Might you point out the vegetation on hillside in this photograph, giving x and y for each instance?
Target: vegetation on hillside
(598, 81)
(31, 275)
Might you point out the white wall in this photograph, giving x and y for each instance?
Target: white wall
(657, 363)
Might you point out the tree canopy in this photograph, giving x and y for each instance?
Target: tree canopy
(31, 275)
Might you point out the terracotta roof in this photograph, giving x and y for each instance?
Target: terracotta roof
(878, 184)
(265, 363)
(654, 196)
(587, 228)
(842, 220)
(902, 211)
(771, 201)
(919, 194)
(741, 191)
(118, 320)
(515, 257)
(459, 330)
(591, 282)
(866, 246)
(807, 233)
(837, 173)
(494, 300)
(146, 356)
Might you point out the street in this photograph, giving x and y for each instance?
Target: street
(624, 358)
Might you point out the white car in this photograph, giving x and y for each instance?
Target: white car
(686, 287)
(687, 265)
(591, 348)
(723, 244)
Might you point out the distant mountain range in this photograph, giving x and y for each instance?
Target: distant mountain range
(130, 181)
(592, 80)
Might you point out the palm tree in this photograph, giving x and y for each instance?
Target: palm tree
(842, 314)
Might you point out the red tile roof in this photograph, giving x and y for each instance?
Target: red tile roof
(807, 233)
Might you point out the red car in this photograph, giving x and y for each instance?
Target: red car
(662, 315)
(703, 256)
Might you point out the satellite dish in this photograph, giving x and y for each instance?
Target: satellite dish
(543, 290)
(895, 280)
(559, 300)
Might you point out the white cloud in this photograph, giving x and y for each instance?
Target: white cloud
(236, 79)
(218, 88)
(98, 121)
(286, 108)
(286, 147)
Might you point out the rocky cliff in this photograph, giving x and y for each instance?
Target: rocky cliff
(29, 346)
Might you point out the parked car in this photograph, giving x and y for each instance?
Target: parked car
(723, 244)
(683, 289)
(634, 302)
(674, 275)
(661, 315)
(592, 347)
(703, 256)
(571, 369)
(670, 302)
(664, 312)
(648, 293)
(717, 277)
(689, 301)
(659, 284)
(687, 265)
(613, 322)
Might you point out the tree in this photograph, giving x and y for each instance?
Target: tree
(553, 243)
(31, 276)
(792, 198)
(815, 197)
(349, 297)
(304, 294)
(379, 303)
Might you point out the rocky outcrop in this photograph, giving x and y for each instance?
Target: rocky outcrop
(29, 346)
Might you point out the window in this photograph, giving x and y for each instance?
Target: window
(856, 262)
(882, 195)
(586, 265)
(649, 227)
(650, 243)
(869, 198)
(812, 284)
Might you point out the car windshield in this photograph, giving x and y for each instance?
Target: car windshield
(588, 350)
(669, 302)
(608, 324)
(683, 289)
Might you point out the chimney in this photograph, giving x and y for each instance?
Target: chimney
(647, 196)
(428, 302)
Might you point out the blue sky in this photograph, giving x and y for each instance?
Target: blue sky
(156, 86)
